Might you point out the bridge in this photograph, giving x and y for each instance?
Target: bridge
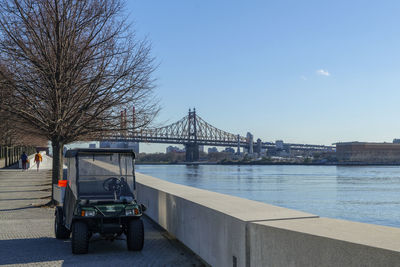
(192, 131)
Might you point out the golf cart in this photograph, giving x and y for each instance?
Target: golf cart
(99, 198)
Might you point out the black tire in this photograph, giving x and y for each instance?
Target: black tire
(80, 238)
(60, 231)
(135, 235)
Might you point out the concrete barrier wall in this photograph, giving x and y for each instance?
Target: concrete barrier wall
(230, 231)
(323, 242)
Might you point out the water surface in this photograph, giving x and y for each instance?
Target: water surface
(369, 194)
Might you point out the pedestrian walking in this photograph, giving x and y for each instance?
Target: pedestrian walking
(24, 160)
(38, 160)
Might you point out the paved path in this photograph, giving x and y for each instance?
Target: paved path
(27, 235)
(46, 164)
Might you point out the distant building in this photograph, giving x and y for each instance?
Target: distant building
(257, 149)
(280, 150)
(368, 153)
(201, 148)
(132, 145)
(279, 144)
(250, 140)
(169, 149)
(396, 141)
(229, 150)
(212, 150)
(108, 144)
(174, 149)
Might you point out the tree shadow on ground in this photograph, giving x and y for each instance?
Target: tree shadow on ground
(20, 208)
(31, 198)
(101, 252)
(29, 185)
(24, 191)
(157, 251)
(35, 250)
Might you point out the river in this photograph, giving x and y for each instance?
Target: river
(369, 194)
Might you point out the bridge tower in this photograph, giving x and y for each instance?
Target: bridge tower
(238, 145)
(192, 147)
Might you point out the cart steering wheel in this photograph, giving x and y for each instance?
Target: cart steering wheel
(113, 184)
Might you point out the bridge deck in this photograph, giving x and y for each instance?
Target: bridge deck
(27, 235)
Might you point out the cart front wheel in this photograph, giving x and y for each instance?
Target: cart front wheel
(135, 235)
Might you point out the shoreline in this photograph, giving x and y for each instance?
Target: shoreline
(271, 163)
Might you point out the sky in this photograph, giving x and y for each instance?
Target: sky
(315, 72)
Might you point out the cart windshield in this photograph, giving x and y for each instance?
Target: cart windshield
(105, 176)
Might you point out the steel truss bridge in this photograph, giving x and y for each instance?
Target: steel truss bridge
(192, 131)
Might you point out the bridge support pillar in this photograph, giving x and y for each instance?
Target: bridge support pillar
(192, 152)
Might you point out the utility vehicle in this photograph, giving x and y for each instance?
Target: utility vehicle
(99, 198)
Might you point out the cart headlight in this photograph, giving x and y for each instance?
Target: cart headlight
(88, 213)
(129, 212)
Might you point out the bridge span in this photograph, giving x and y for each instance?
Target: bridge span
(192, 131)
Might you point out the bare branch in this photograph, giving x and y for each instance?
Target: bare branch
(68, 67)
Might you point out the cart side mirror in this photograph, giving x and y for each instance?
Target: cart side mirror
(143, 207)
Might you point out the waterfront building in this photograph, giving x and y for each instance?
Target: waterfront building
(368, 153)
(109, 144)
(174, 149)
(212, 150)
(250, 139)
(280, 150)
(229, 150)
(279, 144)
(263, 152)
(257, 148)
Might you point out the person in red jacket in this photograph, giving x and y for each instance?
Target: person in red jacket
(38, 159)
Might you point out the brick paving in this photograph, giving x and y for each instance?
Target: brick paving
(27, 233)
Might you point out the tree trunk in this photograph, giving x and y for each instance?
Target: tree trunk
(58, 161)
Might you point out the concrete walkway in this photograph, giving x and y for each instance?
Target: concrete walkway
(27, 235)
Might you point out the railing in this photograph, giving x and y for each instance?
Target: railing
(10, 155)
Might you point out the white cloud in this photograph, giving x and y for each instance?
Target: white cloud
(304, 78)
(323, 72)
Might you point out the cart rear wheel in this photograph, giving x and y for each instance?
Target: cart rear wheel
(60, 231)
(135, 235)
(80, 238)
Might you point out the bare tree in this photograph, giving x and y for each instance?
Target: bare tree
(68, 67)
(13, 133)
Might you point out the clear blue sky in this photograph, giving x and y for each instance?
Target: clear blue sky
(302, 71)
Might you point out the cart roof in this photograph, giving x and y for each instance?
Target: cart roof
(73, 152)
